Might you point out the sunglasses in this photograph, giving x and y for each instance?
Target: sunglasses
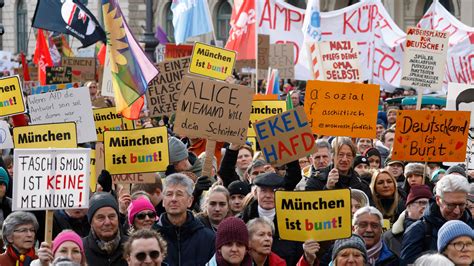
(143, 215)
(141, 256)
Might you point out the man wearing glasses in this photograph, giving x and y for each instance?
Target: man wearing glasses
(450, 204)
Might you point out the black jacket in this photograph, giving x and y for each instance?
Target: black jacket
(62, 221)
(95, 256)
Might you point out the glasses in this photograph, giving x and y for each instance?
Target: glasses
(141, 256)
(421, 203)
(347, 155)
(459, 246)
(452, 206)
(364, 225)
(25, 230)
(143, 215)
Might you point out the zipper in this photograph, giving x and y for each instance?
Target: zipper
(179, 245)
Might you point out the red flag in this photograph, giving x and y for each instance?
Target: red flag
(26, 72)
(242, 34)
(101, 54)
(42, 57)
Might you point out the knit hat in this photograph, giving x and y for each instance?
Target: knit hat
(416, 168)
(105, 181)
(232, 229)
(418, 192)
(389, 161)
(4, 177)
(354, 241)
(371, 152)
(64, 236)
(270, 179)
(360, 159)
(100, 200)
(137, 206)
(177, 150)
(238, 187)
(451, 230)
(457, 169)
(435, 175)
(382, 119)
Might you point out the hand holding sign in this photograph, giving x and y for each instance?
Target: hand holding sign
(333, 178)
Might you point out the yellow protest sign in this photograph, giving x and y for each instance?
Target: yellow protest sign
(93, 176)
(61, 135)
(107, 119)
(211, 61)
(264, 109)
(320, 215)
(342, 109)
(253, 142)
(11, 96)
(136, 151)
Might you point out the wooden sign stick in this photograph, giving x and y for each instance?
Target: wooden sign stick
(207, 165)
(48, 228)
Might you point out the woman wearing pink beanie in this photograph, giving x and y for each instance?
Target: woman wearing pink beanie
(67, 244)
(141, 214)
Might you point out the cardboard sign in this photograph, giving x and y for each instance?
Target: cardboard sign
(83, 68)
(173, 51)
(136, 151)
(136, 178)
(342, 109)
(431, 136)
(163, 91)
(213, 110)
(57, 75)
(32, 70)
(6, 141)
(263, 51)
(322, 215)
(282, 57)
(106, 78)
(424, 59)
(160, 51)
(211, 61)
(264, 109)
(11, 96)
(61, 135)
(285, 137)
(340, 61)
(107, 119)
(58, 177)
(53, 87)
(73, 105)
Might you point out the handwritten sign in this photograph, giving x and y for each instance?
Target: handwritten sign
(342, 109)
(73, 105)
(83, 68)
(6, 141)
(60, 135)
(11, 96)
(424, 59)
(431, 136)
(211, 61)
(340, 61)
(263, 51)
(59, 179)
(136, 151)
(163, 92)
(107, 119)
(136, 178)
(282, 57)
(285, 137)
(322, 215)
(264, 109)
(57, 75)
(213, 110)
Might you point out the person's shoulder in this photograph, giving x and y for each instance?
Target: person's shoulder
(276, 260)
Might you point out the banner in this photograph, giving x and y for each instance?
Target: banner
(264, 109)
(11, 96)
(136, 151)
(107, 119)
(211, 61)
(6, 141)
(83, 69)
(60, 135)
(322, 215)
(58, 75)
(213, 110)
(282, 58)
(178, 50)
(431, 136)
(58, 177)
(342, 109)
(339, 61)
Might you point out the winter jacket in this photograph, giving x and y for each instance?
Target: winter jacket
(393, 237)
(62, 221)
(387, 257)
(96, 256)
(275, 260)
(416, 239)
(189, 244)
(303, 262)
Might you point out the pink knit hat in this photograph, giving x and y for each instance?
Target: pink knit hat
(137, 206)
(67, 235)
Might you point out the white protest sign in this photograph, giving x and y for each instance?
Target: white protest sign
(72, 105)
(6, 141)
(107, 88)
(58, 177)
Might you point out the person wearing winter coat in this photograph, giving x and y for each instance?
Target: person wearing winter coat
(260, 243)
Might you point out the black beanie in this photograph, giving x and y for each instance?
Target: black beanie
(100, 200)
(105, 181)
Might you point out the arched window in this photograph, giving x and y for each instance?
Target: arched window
(298, 3)
(21, 27)
(224, 11)
(169, 29)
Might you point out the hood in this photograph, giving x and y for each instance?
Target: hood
(397, 227)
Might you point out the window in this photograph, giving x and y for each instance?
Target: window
(298, 3)
(224, 11)
(21, 28)
(169, 29)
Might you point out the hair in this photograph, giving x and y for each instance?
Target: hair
(15, 219)
(247, 147)
(252, 225)
(138, 194)
(322, 143)
(8, 160)
(149, 188)
(378, 203)
(344, 141)
(366, 210)
(452, 183)
(215, 189)
(182, 180)
(144, 234)
(385, 132)
(466, 96)
(433, 260)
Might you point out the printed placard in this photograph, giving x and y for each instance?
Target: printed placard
(107, 119)
(6, 141)
(136, 151)
(163, 91)
(58, 75)
(53, 87)
(177, 50)
(282, 57)
(213, 110)
(11, 96)
(73, 105)
(322, 215)
(83, 68)
(92, 172)
(424, 59)
(285, 137)
(106, 78)
(58, 177)
(60, 135)
(431, 136)
(342, 109)
(211, 61)
(340, 61)
(264, 109)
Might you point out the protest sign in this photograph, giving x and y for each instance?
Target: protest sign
(431, 136)
(424, 59)
(136, 151)
(342, 109)
(58, 177)
(282, 58)
(245, 66)
(73, 105)
(264, 109)
(285, 137)
(322, 215)
(92, 172)
(136, 178)
(6, 141)
(106, 78)
(163, 91)
(253, 143)
(213, 110)
(340, 61)
(60, 135)
(177, 50)
(160, 51)
(83, 68)
(211, 61)
(29, 85)
(53, 87)
(57, 75)
(107, 119)
(263, 51)
(32, 71)
(11, 96)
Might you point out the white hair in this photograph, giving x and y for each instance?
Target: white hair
(452, 183)
(433, 260)
(364, 210)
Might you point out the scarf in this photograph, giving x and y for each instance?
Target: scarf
(221, 262)
(270, 214)
(21, 259)
(108, 246)
(374, 252)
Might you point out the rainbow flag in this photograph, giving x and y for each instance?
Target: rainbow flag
(131, 68)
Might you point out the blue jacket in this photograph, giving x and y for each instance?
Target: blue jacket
(387, 257)
(415, 239)
(189, 244)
